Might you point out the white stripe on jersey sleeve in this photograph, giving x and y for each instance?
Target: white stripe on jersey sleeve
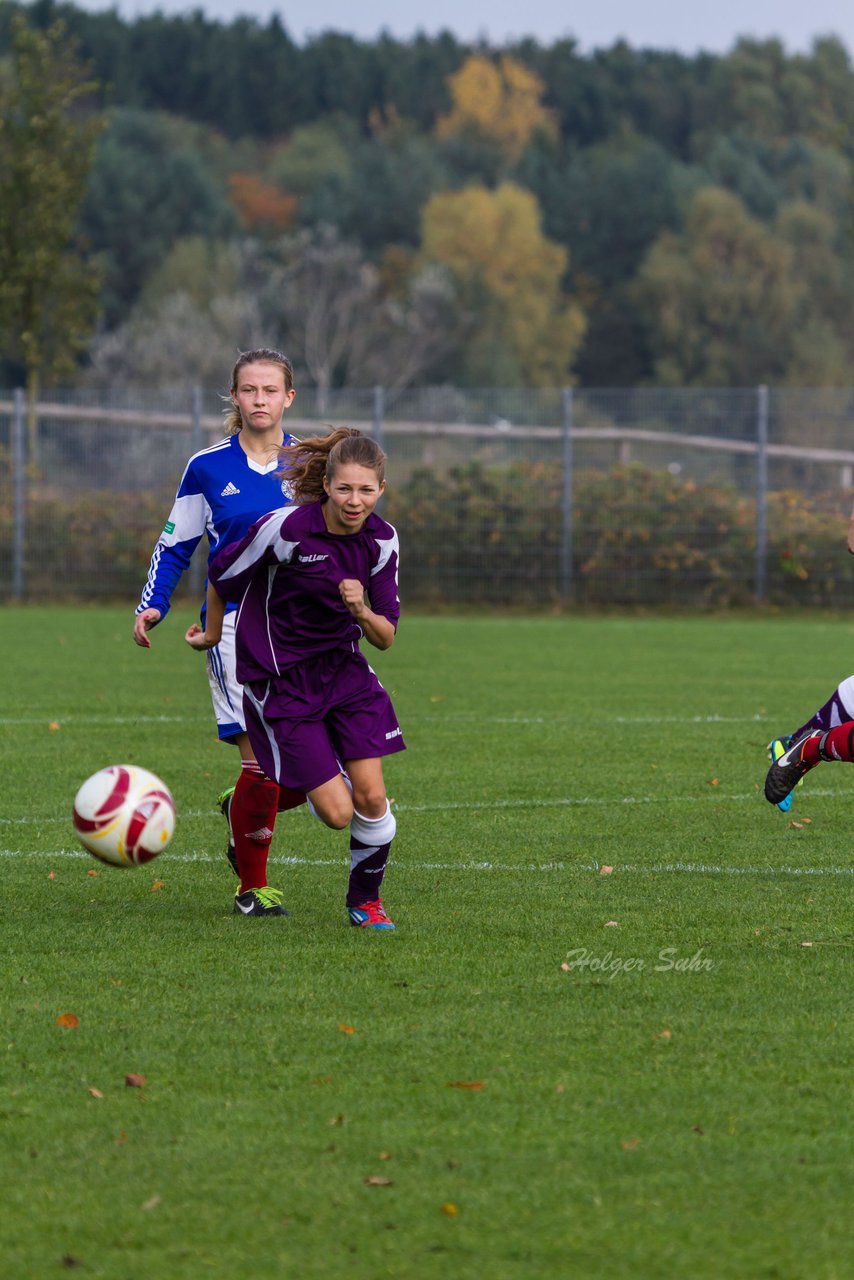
(387, 546)
(189, 515)
(267, 538)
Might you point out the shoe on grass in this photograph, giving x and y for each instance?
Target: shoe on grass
(787, 769)
(259, 902)
(370, 915)
(224, 802)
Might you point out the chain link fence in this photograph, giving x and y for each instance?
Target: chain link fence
(531, 498)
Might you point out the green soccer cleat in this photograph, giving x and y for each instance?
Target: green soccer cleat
(224, 802)
(259, 902)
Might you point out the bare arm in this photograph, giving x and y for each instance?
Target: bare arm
(142, 624)
(214, 614)
(378, 630)
(851, 532)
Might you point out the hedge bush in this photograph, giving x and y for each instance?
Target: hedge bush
(493, 535)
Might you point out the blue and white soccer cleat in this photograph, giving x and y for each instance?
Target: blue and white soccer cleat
(370, 915)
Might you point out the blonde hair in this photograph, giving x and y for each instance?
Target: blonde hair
(306, 464)
(260, 355)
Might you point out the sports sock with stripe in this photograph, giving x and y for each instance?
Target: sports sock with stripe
(253, 817)
(370, 844)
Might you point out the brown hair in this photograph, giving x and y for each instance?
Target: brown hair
(260, 355)
(304, 465)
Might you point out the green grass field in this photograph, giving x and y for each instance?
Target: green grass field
(546, 1071)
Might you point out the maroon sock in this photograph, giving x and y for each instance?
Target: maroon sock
(836, 744)
(253, 816)
(290, 799)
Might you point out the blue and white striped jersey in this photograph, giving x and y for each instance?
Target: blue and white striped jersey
(222, 492)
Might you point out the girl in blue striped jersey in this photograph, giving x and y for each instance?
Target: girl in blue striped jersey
(225, 489)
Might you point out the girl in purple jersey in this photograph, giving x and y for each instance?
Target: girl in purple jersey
(312, 581)
(224, 489)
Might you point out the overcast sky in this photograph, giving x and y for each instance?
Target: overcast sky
(658, 24)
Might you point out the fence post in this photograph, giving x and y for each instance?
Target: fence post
(761, 493)
(19, 493)
(379, 414)
(199, 562)
(566, 567)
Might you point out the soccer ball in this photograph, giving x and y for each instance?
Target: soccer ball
(124, 815)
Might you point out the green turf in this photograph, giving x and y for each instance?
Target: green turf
(677, 1107)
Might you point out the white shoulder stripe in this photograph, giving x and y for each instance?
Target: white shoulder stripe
(388, 547)
(268, 538)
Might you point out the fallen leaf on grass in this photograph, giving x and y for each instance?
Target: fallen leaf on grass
(346, 1028)
(566, 967)
(158, 884)
(631, 1143)
(798, 825)
(376, 1181)
(466, 1084)
(714, 782)
(695, 1128)
(150, 1204)
(806, 821)
(68, 1020)
(611, 924)
(806, 944)
(68, 1260)
(606, 871)
(385, 1155)
(91, 873)
(664, 1035)
(339, 1119)
(134, 1080)
(51, 875)
(122, 1138)
(560, 1088)
(449, 1209)
(54, 725)
(437, 697)
(96, 1093)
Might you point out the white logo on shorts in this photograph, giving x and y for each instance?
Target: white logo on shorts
(395, 733)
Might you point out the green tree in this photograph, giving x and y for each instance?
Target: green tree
(719, 298)
(144, 194)
(526, 331)
(48, 290)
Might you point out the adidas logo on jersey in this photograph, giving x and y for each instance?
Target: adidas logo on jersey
(229, 491)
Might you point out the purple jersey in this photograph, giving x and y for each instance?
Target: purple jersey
(285, 573)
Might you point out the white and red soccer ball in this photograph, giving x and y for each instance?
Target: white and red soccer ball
(124, 815)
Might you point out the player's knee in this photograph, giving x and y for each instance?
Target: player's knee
(371, 802)
(336, 813)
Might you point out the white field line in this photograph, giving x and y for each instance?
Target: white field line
(438, 718)
(519, 868)
(480, 806)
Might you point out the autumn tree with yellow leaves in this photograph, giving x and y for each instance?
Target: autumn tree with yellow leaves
(525, 330)
(502, 101)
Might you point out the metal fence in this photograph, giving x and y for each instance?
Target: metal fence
(516, 497)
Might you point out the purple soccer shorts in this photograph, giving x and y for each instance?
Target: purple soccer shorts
(314, 717)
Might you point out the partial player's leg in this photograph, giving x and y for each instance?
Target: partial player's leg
(227, 699)
(838, 709)
(372, 830)
(804, 754)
